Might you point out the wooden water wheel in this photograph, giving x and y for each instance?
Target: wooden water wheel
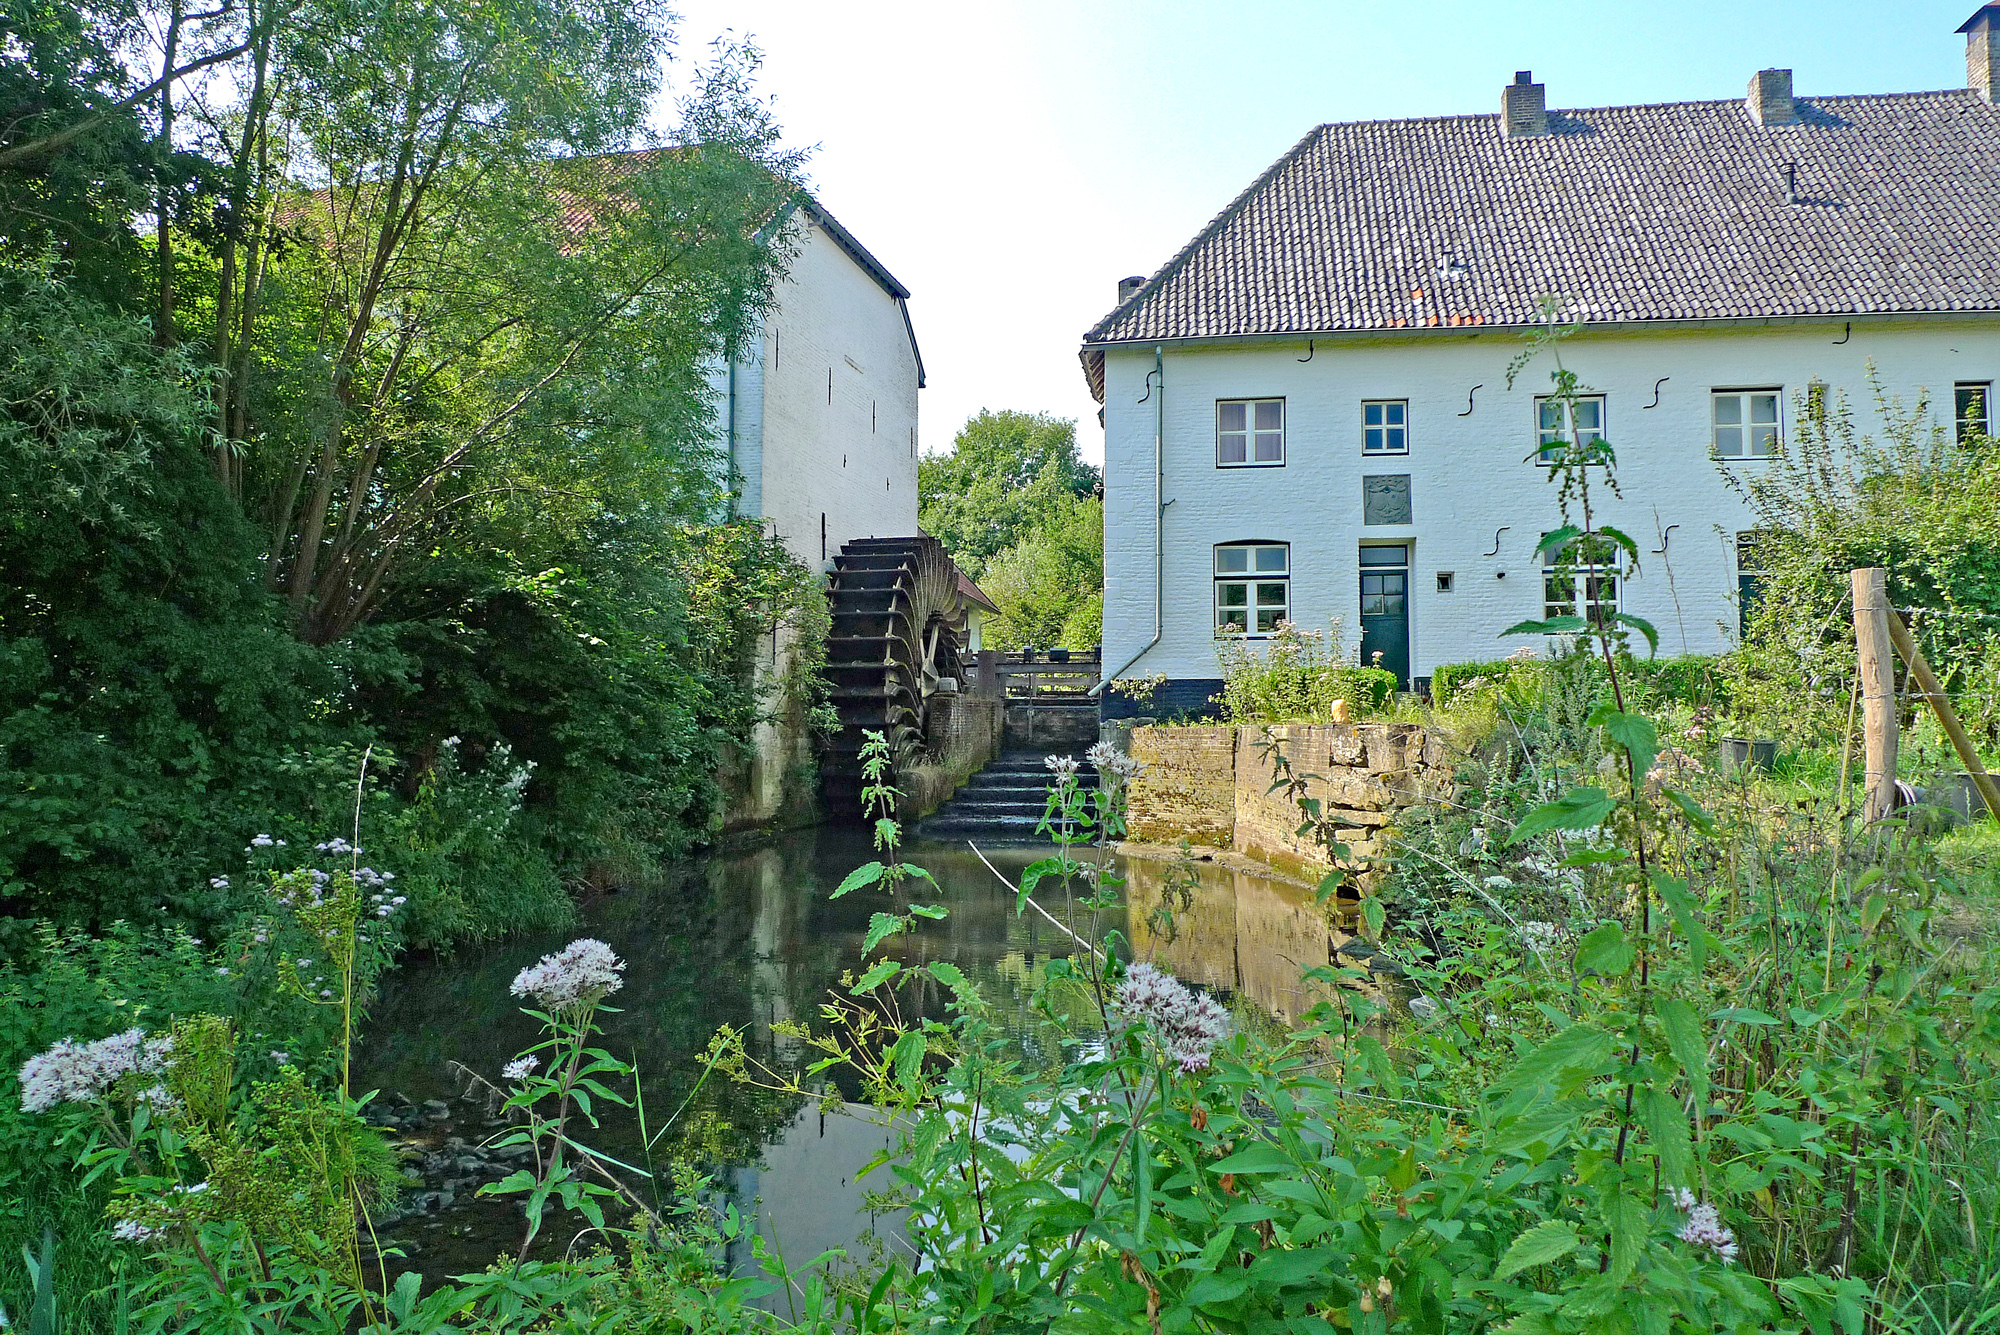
(899, 624)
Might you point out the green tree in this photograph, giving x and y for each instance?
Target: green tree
(1003, 474)
(1050, 585)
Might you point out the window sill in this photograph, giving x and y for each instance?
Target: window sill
(1742, 458)
(1280, 463)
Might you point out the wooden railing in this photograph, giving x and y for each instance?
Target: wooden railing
(1039, 679)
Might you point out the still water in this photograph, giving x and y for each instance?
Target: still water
(750, 940)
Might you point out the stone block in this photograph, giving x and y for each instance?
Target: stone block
(1187, 789)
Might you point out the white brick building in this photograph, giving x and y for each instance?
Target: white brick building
(1306, 411)
(817, 418)
(819, 414)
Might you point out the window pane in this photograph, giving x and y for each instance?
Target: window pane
(1271, 560)
(1385, 556)
(1270, 595)
(1231, 560)
(1396, 413)
(1763, 440)
(1551, 415)
(1232, 595)
(1371, 413)
(1396, 440)
(1233, 450)
(1372, 605)
(1270, 447)
(1763, 407)
(1270, 414)
(1267, 622)
(1371, 440)
(1236, 621)
(1729, 441)
(1589, 415)
(1728, 409)
(1230, 416)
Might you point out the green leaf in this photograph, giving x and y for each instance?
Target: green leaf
(1329, 885)
(1373, 914)
(908, 1058)
(1548, 1241)
(1259, 1156)
(935, 912)
(952, 977)
(1667, 1126)
(1556, 539)
(1580, 1048)
(1644, 627)
(1624, 540)
(1625, 1216)
(881, 973)
(866, 874)
(1634, 732)
(1690, 808)
(1744, 1015)
(1681, 905)
(881, 927)
(1581, 809)
(1553, 626)
(1607, 952)
(1690, 1052)
(1873, 910)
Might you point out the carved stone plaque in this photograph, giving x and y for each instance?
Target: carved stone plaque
(1385, 499)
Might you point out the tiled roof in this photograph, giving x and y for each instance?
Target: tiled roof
(1631, 214)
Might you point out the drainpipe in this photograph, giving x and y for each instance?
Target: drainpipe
(1158, 389)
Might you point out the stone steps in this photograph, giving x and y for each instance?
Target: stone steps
(1002, 803)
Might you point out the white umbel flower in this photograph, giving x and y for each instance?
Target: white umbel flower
(520, 1068)
(582, 970)
(73, 1072)
(1188, 1024)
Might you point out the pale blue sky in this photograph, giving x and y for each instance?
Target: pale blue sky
(1010, 161)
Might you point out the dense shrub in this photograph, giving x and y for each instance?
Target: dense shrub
(1295, 677)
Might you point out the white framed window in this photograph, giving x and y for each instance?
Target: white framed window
(1249, 433)
(1253, 587)
(1745, 422)
(1579, 583)
(1972, 408)
(1385, 426)
(1551, 430)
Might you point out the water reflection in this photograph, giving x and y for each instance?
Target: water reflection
(752, 940)
(1235, 932)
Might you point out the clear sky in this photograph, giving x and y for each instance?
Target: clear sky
(1009, 161)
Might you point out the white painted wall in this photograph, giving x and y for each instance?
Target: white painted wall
(1468, 473)
(826, 407)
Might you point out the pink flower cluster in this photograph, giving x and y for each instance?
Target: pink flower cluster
(73, 1072)
(1704, 1227)
(582, 970)
(1188, 1024)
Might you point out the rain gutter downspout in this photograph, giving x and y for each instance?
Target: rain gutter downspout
(1158, 389)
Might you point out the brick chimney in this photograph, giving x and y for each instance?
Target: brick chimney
(1127, 286)
(1982, 52)
(1524, 107)
(1770, 98)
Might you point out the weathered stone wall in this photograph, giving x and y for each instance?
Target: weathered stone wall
(965, 732)
(1188, 787)
(1059, 729)
(1212, 785)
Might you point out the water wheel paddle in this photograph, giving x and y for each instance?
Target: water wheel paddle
(899, 627)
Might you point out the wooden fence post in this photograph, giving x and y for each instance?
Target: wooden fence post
(1876, 662)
